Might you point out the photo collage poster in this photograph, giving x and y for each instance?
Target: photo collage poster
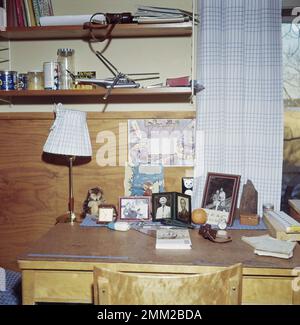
(166, 142)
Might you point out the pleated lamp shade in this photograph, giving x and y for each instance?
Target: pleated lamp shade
(69, 134)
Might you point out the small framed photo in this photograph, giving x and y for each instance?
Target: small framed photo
(134, 208)
(220, 193)
(187, 184)
(162, 206)
(183, 208)
(107, 213)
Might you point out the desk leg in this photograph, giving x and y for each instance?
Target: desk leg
(28, 287)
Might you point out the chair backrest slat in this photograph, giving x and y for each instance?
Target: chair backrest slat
(121, 288)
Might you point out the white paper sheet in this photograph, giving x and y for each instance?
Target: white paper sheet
(69, 20)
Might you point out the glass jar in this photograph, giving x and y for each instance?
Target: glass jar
(66, 59)
(35, 80)
(268, 207)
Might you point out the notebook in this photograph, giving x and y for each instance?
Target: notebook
(269, 246)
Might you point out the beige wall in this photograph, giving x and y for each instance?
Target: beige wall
(172, 57)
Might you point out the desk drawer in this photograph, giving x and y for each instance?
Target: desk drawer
(267, 290)
(60, 286)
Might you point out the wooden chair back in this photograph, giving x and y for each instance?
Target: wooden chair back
(121, 288)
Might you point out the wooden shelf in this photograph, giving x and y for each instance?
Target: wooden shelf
(124, 95)
(78, 32)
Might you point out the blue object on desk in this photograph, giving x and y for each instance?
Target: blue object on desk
(89, 221)
(237, 226)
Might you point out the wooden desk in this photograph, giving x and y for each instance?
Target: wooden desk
(54, 278)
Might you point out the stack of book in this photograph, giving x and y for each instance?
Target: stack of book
(27, 13)
(157, 15)
(173, 239)
(268, 246)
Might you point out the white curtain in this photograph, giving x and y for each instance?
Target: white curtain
(240, 112)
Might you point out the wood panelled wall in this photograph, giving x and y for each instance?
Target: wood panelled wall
(33, 192)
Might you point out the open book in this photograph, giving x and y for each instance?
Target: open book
(269, 246)
(173, 239)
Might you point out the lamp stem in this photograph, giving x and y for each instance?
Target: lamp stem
(71, 196)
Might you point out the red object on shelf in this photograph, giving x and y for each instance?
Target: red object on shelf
(178, 82)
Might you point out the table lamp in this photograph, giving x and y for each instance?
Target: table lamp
(69, 136)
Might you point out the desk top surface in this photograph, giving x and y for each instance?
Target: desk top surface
(74, 243)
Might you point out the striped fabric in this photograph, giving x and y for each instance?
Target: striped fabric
(240, 112)
(69, 134)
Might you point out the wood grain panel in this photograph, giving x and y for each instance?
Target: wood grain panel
(261, 290)
(34, 192)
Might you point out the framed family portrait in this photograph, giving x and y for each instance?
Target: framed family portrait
(134, 208)
(171, 205)
(221, 193)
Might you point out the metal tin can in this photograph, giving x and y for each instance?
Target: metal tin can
(52, 72)
(22, 81)
(8, 80)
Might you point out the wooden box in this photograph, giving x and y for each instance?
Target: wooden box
(249, 219)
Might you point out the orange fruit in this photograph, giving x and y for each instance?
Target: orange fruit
(199, 216)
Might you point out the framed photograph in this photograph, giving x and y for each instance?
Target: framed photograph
(162, 206)
(183, 208)
(134, 208)
(187, 184)
(220, 193)
(107, 213)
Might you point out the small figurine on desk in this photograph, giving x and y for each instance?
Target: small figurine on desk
(187, 185)
(93, 200)
(147, 187)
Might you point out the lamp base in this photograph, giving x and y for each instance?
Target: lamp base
(66, 218)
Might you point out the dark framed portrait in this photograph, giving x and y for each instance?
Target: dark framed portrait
(221, 193)
(134, 208)
(162, 206)
(183, 208)
(187, 184)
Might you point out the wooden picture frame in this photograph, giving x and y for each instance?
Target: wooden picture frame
(221, 193)
(134, 208)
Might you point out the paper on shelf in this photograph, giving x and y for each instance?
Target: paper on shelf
(69, 20)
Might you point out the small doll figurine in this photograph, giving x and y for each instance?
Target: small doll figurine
(93, 200)
(148, 186)
(187, 185)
